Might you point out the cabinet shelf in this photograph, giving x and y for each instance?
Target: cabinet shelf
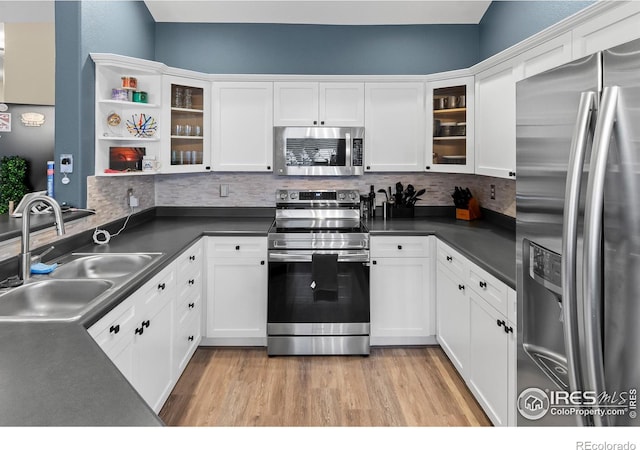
(449, 111)
(449, 138)
(129, 104)
(126, 138)
(187, 110)
(173, 136)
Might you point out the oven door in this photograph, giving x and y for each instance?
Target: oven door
(294, 306)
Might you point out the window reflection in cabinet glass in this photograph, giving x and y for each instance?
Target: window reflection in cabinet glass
(450, 125)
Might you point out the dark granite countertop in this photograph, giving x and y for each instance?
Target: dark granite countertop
(55, 374)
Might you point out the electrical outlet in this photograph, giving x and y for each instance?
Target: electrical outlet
(224, 190)
(66, 163)
(493, 192)
(129, 196)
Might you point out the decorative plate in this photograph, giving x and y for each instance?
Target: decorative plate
(114, 122)
(142, 125)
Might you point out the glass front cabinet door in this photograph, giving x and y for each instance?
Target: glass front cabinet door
(450, 126)
(186, 148)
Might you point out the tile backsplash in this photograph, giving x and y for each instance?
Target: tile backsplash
(259, 189)
(108, 195)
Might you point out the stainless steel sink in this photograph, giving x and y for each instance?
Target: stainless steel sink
(51, 299)
(106, 265)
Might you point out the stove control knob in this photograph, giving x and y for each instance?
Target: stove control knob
(352, 195)
(341, 196)
(293, 195)
(283, 195)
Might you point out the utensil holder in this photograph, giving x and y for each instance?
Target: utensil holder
(471, 213)
(399, 212)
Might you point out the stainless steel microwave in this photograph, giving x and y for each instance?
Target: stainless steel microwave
(318, 151)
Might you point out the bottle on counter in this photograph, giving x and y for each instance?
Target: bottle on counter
(372, 202)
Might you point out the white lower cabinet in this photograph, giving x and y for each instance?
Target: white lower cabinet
(236, 307)
(153, 333)
(475, 333)
(402, 309)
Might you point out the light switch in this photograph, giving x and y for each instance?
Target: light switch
(224, 190)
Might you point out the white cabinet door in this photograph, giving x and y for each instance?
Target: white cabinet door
(341, 104)
(152, 365)
(395, 127)
(295, 104)
(243, 126)
(495, 149)
(452, 306)
(237, 301)
(488, 373)
(401, 300)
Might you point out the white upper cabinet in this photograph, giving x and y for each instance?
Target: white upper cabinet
(450, 126)
(186, 141)
(318, 104)
(495, 146)
(243, 126)
(394, 127)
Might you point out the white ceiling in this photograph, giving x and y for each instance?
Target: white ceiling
(328, 12)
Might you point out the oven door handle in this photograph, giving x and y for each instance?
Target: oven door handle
(307, 255)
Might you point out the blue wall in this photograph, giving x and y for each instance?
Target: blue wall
(122, 27)
(508, 22)
(317, 49)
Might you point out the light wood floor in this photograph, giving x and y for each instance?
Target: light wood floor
(391, 387)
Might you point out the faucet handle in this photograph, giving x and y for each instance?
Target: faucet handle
(36, 259)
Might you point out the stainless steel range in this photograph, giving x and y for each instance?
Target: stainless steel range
(318, 275)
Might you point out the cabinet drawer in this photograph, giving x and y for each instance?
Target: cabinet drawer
(489, 288)
(190, 261)
(186, 308)
(187, 338)
(451, 259)
(190, 286)
(156, 292)
(240, 247)
(115, 326)
(400, 247)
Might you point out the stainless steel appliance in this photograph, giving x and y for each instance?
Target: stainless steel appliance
(318, 301)
(578, 242)
(326, 151)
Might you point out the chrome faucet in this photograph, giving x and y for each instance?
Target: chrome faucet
(25, 252)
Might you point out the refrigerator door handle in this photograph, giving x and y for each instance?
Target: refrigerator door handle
(578, 151)
(593, 360)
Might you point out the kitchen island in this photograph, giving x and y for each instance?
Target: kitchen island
(54, 374)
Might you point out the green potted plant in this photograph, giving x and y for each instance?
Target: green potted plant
(13, 181)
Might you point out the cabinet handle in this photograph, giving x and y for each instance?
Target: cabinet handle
(208, 168)
(161, 286)
(428, 167)
(191, 282)
(115, 329)
(399, 247)
(139, 331)
(512, 174)
(192, 305)
(368, 167)
(146, 324)
(500, 323)
(190, 338)
(237, 247)
(483, 285)
(461, 287)
(508, 329)
(262, 263)
(322, 122)
(268, 167)
(192, 258)
(374, 262)
(449, 258)
(315, 122)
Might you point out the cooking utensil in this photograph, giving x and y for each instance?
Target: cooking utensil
(383, 191)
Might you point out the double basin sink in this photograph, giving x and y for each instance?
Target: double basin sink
(79, 283)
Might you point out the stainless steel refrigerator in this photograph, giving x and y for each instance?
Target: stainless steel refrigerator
(578, 242)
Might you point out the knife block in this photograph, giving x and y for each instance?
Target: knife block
(472, 212)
